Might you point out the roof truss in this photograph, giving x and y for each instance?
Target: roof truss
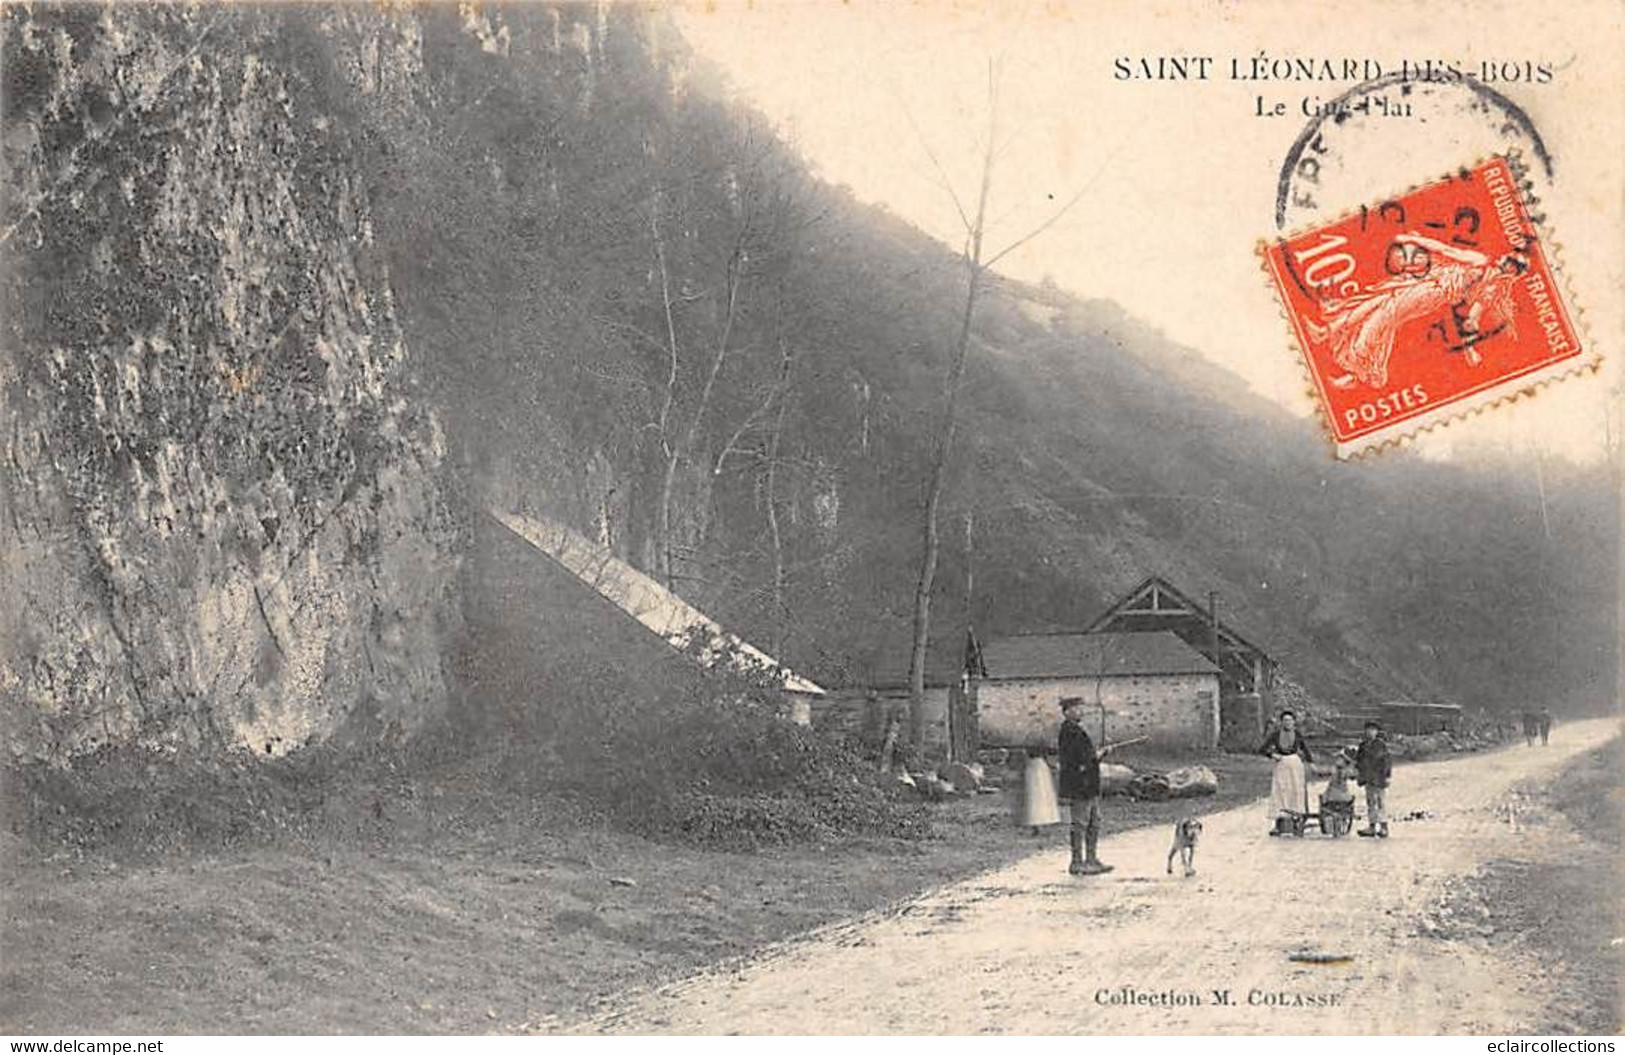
(1156, 597)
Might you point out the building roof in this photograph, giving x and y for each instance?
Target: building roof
(1156, 597)
(890, 671)
(1073, 654)
(946, 658)
(1423, 706)
(651, 604)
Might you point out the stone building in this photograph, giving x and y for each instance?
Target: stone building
(1140, 684)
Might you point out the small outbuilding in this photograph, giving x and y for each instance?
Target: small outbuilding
(1420, 719)
(863, 703)
(1139, 684)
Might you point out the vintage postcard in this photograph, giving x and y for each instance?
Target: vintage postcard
(938, 519)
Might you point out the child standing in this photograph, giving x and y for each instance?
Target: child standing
(1337, 801)
(1337, 788)
(1373, 769)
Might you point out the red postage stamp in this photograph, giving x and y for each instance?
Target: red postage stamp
(1426, 306)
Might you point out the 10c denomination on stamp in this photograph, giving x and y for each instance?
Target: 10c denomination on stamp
(1426, 307)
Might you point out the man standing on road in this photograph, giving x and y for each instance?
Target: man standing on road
(1080, 787)
(1545, 726)
(1373, 767)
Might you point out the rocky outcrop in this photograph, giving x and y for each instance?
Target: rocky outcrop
(225, 519)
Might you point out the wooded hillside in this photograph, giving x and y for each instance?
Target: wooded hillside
(621, 300)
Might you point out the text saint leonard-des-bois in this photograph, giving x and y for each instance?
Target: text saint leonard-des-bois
(1261, 67)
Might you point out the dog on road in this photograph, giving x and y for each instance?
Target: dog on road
(1186, 834)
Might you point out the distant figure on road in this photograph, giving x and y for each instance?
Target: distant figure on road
(1545, 726)
(1039, 808)
(1373, 769)
(1289, 790)
(1531, 726)
(1080, 787)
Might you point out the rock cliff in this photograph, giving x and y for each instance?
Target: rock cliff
(226, 521)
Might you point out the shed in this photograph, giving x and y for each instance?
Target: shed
(1246, 672)
(861, 705)
(1419, 719)
(1147, 684)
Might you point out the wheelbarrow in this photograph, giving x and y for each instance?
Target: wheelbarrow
(1336, 817)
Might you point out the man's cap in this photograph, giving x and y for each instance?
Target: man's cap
(1072, 701)
(1372, 723)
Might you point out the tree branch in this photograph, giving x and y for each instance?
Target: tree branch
(1036, 231)
(942, 173)
(745, 426)
(1054, 217)
(671, 325)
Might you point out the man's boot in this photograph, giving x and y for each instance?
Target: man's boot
(1382, 830)
(1076, 868)
(1092, 865)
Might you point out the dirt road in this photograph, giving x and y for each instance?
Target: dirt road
(1031, 950)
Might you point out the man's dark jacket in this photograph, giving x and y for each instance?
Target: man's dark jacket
(1080, 768)
(1372, 763)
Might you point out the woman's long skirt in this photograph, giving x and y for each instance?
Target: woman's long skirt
(1039, 807)
(1287, 788)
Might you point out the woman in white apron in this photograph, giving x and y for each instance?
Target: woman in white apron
(1039, 806)
(1289, 788)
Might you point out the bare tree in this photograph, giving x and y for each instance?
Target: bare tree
(678, 443)
(768, 206)
(770, 416)
(976, 266)
(780, 600)
(675, 447)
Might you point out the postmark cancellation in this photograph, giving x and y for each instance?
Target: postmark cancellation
(1428, 306)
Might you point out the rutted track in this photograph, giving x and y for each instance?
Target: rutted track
(1030, 950)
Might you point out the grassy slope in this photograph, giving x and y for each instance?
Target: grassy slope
(1559, 911)
(1569, 910)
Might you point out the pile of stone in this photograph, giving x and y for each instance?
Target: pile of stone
(1193, 782)
(1184, 783)
(1401, 746)
(949, 781)
(962, 778)
(1443, 743)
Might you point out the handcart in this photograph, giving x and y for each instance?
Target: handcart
(1335, 817)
